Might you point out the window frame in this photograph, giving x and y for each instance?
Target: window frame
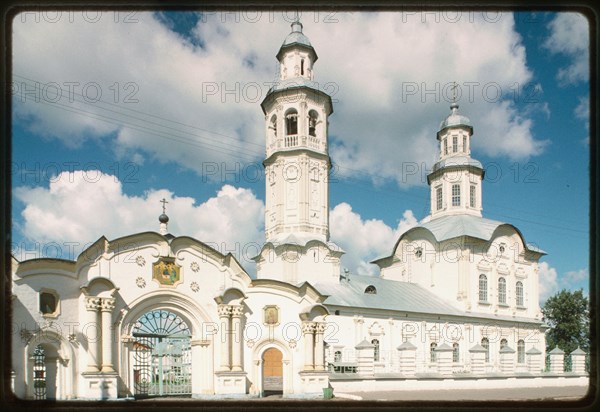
(376, 352)
(485, 343)
(455, 352)
(54, 293)
(456, 195)
(483, 290)
(501, 290)
(521, 351)
(520, 294)
(432, 352)
(439, 198)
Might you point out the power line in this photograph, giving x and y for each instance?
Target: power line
(238, 152)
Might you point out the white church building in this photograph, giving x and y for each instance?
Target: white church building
(156, 314)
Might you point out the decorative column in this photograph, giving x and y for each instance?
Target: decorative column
(319, 346)
(106, 307)
(557, 360)
(534, 360)
(365, 356)
(444, 359)
(308, 329)
(407, 358)
(578, 361)
(507, 359)
(477, 359)
(237, 340)
(92, 304)
(224, 315)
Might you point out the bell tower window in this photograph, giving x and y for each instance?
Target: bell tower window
(472, 196)
(302, 67)
(465, 144)
(438, 198)
(312, 123)
(454, 144)
(291, 122)
(445, 146)
(273, 126)
(455, 195)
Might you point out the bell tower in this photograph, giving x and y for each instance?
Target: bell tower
(456, 178)
(297, 166)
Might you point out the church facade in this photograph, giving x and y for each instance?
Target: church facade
(153, 314)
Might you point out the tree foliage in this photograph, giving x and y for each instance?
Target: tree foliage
(567, 314)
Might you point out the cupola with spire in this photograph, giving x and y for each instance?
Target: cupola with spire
(456, 177)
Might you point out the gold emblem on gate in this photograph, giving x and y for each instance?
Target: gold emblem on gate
(166, 272)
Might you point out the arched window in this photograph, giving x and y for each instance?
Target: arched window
(473, 196)
(456, 352)
(455, 195)
(520, 301)
(375, 342)
(503, 343)
(454, 144)
(273, 126)
(371, 290)
(291, 122)
(438, 198)
(485, 343)
(337, 356)
(502, 291)
(482, 288)
(312, 123)
(521, 351)
(432, 353)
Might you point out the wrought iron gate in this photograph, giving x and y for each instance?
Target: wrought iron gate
(162, 355)
(39, 373)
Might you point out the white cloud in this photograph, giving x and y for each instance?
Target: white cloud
(575, 276)
(366, 60)
(365, 239)
(80, 207)
(548, 281)
(569, 35)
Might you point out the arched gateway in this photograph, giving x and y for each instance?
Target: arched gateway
(161, 355)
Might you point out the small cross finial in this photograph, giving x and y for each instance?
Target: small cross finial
(454, 86)
(164, 201)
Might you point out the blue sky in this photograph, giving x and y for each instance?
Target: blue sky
(114, 111)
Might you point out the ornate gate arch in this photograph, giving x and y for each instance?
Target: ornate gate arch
(161, 355)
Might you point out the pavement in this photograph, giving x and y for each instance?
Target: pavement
(567, 393)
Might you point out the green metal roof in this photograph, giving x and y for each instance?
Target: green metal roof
(397, 296)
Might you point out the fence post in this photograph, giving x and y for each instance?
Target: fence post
(534, 356)
(578, 361)
(557, 360)
(477, 359)
(407, 355)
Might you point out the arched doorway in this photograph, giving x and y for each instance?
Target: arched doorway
(272, 372)
(162, 355)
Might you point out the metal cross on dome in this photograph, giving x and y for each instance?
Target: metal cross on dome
(453, 88)
(164, 201)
